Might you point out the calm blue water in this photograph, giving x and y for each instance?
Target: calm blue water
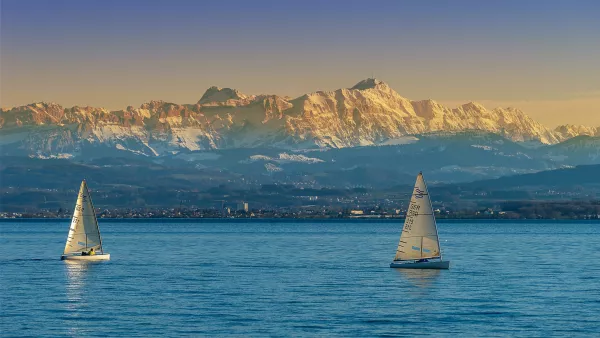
(301, 279)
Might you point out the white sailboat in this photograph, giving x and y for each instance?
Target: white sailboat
(419, 246)
(84, 242)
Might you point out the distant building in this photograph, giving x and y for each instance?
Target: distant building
(242, 206)
(356, 212)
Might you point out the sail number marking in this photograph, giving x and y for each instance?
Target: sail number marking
(408, 224)
(413, 211)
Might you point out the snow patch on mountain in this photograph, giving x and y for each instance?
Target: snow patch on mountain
(400, 141)
(484, 147)
(272, 168)
(188, 138)
(121, 147)
(112, 132)
(283, 158)
(320, 150)
(57, 156)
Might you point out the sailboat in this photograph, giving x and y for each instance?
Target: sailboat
(419, 246)
(84, 242)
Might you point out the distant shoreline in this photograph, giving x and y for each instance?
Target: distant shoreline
(295, 220)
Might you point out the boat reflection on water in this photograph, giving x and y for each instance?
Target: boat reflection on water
(75, 272)
(421, 278)
(77, 306)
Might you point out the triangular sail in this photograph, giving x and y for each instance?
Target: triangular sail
(84, 233)
(419, 238)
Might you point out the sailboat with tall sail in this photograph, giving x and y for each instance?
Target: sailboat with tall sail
(419, 246)
(84, 242)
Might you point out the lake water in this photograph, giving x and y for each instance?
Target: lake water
(300, 279)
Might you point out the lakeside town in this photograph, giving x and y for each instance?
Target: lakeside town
(513, 210)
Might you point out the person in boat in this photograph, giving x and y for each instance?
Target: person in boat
(92, 252)
(423, 260)
(83, 253)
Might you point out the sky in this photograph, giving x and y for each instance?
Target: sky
(540, 56)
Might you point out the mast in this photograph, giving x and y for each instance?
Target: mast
(94, 213)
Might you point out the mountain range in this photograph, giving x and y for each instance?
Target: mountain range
(369, 113)
(232, 146)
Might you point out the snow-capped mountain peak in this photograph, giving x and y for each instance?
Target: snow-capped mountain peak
(370, 83)
(223, 96)
(369, 113)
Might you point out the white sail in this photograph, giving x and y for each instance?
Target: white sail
(84, 233)
(419, 238)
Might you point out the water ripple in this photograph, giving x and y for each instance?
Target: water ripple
(303, 279)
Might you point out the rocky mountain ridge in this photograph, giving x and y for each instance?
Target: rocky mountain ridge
(369, 113)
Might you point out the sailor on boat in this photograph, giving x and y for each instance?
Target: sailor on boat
(89, 253)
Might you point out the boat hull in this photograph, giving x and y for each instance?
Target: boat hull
(440, 265)
(93, 258)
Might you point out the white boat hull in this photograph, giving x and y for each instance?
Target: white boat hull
(92, 258)
(440, 265)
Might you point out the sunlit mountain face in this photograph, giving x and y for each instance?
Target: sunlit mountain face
(369, 113)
